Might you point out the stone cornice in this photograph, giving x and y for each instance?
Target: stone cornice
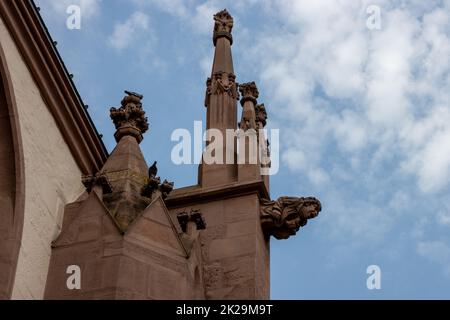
(57, 89)
(197, 194)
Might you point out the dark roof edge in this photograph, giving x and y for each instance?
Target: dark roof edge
(36, 47)
(44, 26)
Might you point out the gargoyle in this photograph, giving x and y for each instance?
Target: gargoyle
(284, 217)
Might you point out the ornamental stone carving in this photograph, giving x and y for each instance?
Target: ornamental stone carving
(130, 119)
(284, 217)
(194, 216)
(261, 115)
(221, 83)
(99, 179)
(249, 91)
(154, 184)
(223, 25)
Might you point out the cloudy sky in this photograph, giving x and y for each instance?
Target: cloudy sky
(363, 113)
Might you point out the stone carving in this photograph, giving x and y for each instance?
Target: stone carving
(208, 92)
(261, 115)
(266, 161)
(261, 122)
(130, 118)
(166, 188)
(218, 86)
(154, 184)
(233, 87)
(190, 235)
(221, 83)
(195, 216)
(223, 25)
(151, 186)
(284, 217)
(249, 91)
(99, 179)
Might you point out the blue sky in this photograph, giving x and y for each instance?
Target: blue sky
(364, 119)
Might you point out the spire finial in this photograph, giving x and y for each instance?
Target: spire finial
(130, 118)
(261, 114)
(249, 92)
(223, 26)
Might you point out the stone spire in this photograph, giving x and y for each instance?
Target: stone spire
(221, 100)
(222, 90)
(249, 93)
(126, 183)
(223, 39)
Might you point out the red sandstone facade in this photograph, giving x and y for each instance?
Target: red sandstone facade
(131, 234)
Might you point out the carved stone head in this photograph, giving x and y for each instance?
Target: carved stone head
(284, 218)
(310, 208)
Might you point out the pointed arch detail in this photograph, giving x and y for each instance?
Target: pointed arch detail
(12, 182)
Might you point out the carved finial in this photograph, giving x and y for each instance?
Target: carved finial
(284, 217)
(261, 114)
(249, 91)
(223, 26)
(130, 118)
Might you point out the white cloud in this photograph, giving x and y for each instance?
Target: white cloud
(349, 99)
(197, 15)
(443, 213)
(444, 218)
(355, 221)
(173, 7)
(433, 167)
(201, 20)
(386, 91)
(436, 251)
(361, 109)
(127, 32)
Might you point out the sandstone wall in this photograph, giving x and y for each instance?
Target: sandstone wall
(52, 176)
(235, 252)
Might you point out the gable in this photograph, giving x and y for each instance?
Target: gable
(155, 229)
(89, 221)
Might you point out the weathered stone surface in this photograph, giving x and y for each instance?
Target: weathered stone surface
(51, 174)
(130, 118)
(125, 243)
(284, 217)
(131, 236)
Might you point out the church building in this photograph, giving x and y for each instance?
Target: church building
(77, 222)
